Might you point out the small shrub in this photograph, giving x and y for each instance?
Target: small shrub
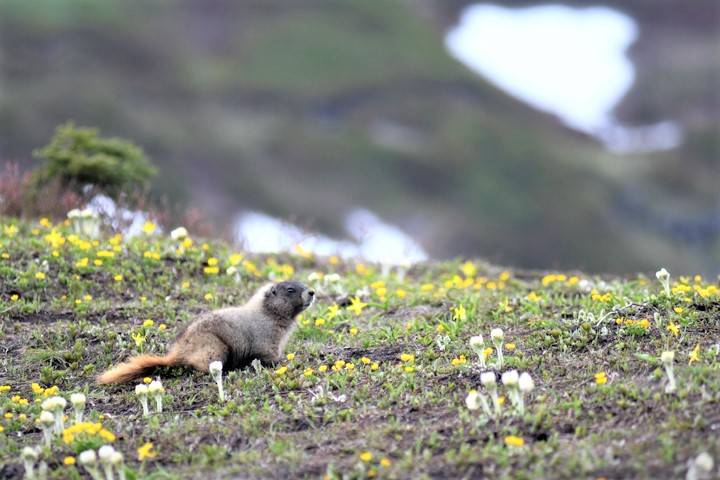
(77, 157)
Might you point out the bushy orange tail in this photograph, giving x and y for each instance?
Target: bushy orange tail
(136, 368)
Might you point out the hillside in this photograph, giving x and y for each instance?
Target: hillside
(311, 110)
(379, 374)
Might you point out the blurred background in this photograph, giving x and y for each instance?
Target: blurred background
(535, 135)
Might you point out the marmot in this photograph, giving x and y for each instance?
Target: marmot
(235, 335)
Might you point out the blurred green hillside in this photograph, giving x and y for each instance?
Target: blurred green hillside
(309, 109)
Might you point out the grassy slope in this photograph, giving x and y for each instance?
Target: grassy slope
(63, 329)
(278, 108)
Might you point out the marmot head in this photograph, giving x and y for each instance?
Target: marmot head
(289, 298)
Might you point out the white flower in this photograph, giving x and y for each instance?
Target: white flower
(473, 400)
(88, 457)
(477, 341)
(74, 213)
(155, 387)
(525, 382)
(105, 452)
(705, 462)
(29, 452)
(179, 233)
(314, 277)
(510, 378)
(662, 275)
(332, 278)
(116, 458)
(231, 270)
(141, 390)
(47, 418)
(215, 368)
(496, 334)
(488, 378)
(78, 399)
(667, 356)
(88, 213)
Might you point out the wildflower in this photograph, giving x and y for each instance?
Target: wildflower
(333, 310)
(11, 230)
(118, 278)
(366, 361)
(601, 378)
(281, 370)
(319, 322)
(497, 336)
(673, 329)
(156, 390)
(69, 460)
(14, 297)
(291, 356)
(664, 278)
(322, 368)
(357, 305)
(148, 228)
(231, 271)
(47, 422)
(145, 452)
(694, 354)
(139, 338)
(489, 380)
(514, 441)
(667, 358)
(40, 276)
(56, 405)
(472, 400)
(533, 297)
(211, 270)
(141, 391)
(308, 372)
(366, 456)
(385, 462)
(29, 457)
(216, 372)
(179, 233)
(407, 357)
(459, 313)
(209, 296)
(107, 456)
(78, 402)
(353, 331)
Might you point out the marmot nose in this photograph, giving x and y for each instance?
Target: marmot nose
(311, 292)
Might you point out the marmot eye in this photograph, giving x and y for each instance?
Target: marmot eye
(291, 290)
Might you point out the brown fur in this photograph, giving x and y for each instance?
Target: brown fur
(235, 336)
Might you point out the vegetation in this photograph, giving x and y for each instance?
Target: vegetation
(383, 375)
(78, 158)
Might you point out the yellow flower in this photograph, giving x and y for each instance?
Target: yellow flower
(147, 380)
(407, 357)
(353, 331)
(319, 322)
(144, 452)
(139, 339)
(427, 287)
(366, 361)
(69, 460)
(460, 313)
(118, 278)
(400, 293)
(600, 378)
(211, 270)
(281, 370)
(162, 326)
(308, 372)
(209, 296)
(533, 297)
(366, 456)
(290, 356)
(694, 355)
(385, 462)
(510, 346)
(14, 297)
(40, 276)
(409, 369)
(678, 309)
(149, 227)
(11, 230)
(374, 366)
(440, 328)
(322, 368)
(333, 310)
(514, 441)
(675, 330)
(88, 298)
(148, 323)
(357, 305)
(349, 366)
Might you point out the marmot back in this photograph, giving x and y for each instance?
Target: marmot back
(234, 336)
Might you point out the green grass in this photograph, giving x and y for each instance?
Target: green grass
(373, 386)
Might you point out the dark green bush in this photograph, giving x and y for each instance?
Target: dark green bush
(79, 158)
